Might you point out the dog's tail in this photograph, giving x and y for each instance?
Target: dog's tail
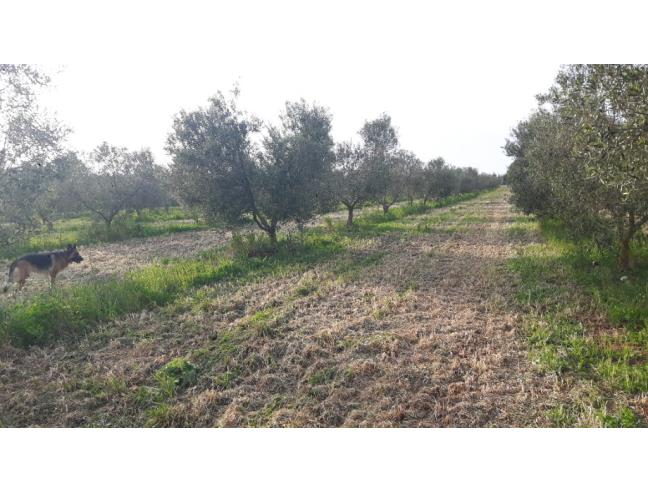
(8, 278)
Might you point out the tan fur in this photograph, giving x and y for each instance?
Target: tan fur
(22, 268)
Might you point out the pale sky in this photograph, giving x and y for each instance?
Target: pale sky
(454, 78)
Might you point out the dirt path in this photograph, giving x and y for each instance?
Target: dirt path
(424, 335)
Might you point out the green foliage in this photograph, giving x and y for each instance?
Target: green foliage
(623, 418)
(177, 374)
(583, 159)
(216, 166)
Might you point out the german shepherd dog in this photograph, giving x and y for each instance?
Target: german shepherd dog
(51, 263)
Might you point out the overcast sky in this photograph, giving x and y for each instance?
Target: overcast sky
(455, 78)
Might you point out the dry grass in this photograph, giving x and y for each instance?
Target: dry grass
(423, 335)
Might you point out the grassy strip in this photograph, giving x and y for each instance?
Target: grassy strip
(586, 319)
(83, 231)
(73, 310)
(376, 223)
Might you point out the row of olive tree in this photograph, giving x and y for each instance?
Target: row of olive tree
(218, 167)
(225, 162)
(583, 156)
(377, 170)
(112, 180)
(231, 165)
(40, 180)
(28, 139)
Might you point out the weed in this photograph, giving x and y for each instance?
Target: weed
(322, 376)
(177, 374)
(264, 322)
(160, 415)
(251, 245)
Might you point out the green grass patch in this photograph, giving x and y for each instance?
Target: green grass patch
(584, 316)
(177, 374)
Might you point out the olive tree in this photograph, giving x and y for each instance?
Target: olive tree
(411, 174)
(380, 142)
(29, 140)
(217, 167)
(437, 180)
(584, 158)
(350, 177)
(111, 181)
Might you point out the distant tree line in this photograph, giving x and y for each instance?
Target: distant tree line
(582, 157)
(227, 164)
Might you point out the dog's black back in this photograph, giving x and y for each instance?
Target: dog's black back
(42, 261)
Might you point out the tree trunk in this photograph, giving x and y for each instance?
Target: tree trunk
(272, 234)
(350, 217)
(624, 253)
(46, 221)
(385, 208)
(626, 237)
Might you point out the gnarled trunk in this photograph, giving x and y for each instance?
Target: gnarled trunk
(272, 234)
(624, 253)
(349, 217)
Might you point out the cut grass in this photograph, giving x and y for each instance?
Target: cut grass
(586, 319)
(70, 311)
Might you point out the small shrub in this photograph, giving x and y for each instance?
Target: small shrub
(251, 245)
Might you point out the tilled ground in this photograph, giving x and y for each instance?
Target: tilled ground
(425, 335)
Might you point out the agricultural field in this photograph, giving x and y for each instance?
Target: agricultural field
(269, 275)
(410, 319)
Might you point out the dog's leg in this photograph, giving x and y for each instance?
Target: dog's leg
(52, 279)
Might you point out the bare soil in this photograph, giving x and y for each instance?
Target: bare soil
(426, 336)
